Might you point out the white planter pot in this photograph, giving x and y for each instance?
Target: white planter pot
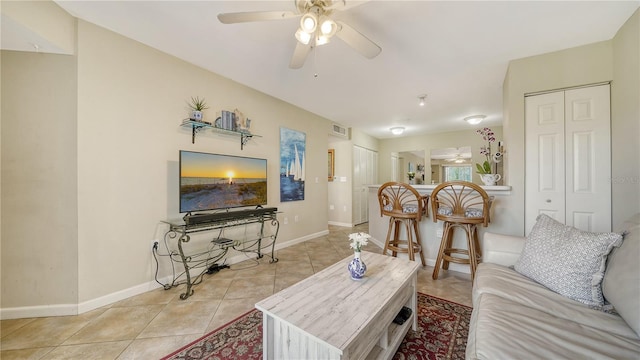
(196, 115)
(490, 179)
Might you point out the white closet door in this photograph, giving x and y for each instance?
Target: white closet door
(395, 169)
(544, 159)
(568, 158)
(588, 146)
(359, 173)
(365, 172)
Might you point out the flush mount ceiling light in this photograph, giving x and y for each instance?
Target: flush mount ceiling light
(474, 119)
(398, 130)
(422, 97)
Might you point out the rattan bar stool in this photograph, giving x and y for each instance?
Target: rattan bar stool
(464, 205)
(405, 207)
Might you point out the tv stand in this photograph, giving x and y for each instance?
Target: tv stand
(180, 230)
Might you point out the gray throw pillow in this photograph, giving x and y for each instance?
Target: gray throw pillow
(566, 260)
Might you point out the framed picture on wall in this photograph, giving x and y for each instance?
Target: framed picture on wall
(331, 166)
(292, 164)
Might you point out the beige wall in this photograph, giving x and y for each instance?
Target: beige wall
(99, 183)
(572, 67)
(39, 180)
(583, 65)
(625, 120)
(340, 193)
(43, 22)
(128, 116)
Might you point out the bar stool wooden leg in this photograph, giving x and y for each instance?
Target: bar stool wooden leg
(419, 242)
(448, 234)
(476, 241)
(471, 243)
(386, 242)
(443, 245)
(410, 240)
(396, 235)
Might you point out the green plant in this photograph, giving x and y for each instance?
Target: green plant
(198, 104)
(485, 168)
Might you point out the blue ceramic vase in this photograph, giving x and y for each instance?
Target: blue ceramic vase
(357, 267)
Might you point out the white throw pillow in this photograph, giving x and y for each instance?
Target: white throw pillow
(566, 260)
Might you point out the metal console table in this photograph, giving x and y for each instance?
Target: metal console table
(180, 229)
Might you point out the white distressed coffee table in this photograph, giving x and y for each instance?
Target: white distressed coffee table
(331, 316)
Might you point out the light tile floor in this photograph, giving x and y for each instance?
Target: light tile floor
(156, 323)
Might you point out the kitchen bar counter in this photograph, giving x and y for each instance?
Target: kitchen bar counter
(431, 232)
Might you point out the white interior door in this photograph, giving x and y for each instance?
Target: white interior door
(588, 147)
(568, 158)
(395, 170)
(544, 159)
(365, 172)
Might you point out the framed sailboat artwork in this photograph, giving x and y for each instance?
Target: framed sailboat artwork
(292, 164)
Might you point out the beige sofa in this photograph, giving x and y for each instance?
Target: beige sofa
(515, 317)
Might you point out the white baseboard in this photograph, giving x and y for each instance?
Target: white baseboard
(335, 223)
(38, 311)
(76, 309)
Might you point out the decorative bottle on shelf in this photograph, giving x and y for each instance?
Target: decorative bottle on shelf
(357, 267)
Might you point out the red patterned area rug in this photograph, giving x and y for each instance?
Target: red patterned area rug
(443, 327)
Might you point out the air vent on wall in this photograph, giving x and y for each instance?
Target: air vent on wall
(339, 131)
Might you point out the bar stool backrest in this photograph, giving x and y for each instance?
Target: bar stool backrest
(401, 200)
(460, 202)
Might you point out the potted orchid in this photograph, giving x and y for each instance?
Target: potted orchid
(484, 169)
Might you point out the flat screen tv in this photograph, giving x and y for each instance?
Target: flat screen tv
(216, 181)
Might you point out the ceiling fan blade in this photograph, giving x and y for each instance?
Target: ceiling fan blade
(343, 5)
(299, 55)
(357, 41)
(233, 18)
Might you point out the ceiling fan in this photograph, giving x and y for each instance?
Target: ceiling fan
(456, 155)
(317, 27)
(458, 159)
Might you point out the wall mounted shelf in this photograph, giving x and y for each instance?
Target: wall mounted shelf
(197, 126)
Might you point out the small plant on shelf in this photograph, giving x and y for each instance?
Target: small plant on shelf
(197, 105)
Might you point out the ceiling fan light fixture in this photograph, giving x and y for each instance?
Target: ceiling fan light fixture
(474, 119)
(309, 22)
(303, 36)
(322, 39)
(328, 27)
(398, 130)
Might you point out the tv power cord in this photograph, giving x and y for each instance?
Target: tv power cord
(215, 268)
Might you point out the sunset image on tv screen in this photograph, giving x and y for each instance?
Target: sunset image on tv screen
(215, 181)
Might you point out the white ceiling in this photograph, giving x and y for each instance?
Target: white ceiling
(456, 52)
